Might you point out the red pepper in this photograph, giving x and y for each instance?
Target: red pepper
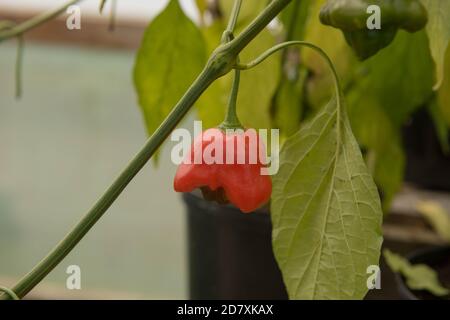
(240, 183)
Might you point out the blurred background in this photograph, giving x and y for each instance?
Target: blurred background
(62, 143)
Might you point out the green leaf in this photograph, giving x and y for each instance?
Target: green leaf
(388, 88)
(382, 93)
(288, 106)
(326, 211)
(438, 30)
(438, 218)
(418, 277)
(399, 78)
(170, 56)
(375, 132)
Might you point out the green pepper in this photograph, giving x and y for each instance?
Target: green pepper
(351, 17)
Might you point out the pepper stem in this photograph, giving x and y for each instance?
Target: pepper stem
(231, 119)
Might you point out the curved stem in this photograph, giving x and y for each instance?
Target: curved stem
(35, 21)
(9, 292)
(112, 15)
(283, 45)
(234, 15)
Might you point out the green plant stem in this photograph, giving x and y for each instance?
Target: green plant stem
(234, 15)
(255, 27)
(112, 15)
(231, 119)
(35, 21)
(221, 62)
(72, 238)
(9, 292)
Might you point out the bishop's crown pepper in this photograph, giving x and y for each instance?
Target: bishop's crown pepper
(351, 17)
(225, 174)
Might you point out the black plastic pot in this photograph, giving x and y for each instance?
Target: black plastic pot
(230, 253)
(437, 258)
(427, 165)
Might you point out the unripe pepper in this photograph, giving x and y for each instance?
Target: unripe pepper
(233, 175)
(351, 17)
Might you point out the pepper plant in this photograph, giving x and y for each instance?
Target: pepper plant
(300, 76)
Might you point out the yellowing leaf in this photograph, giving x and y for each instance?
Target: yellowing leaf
(438, 218)
(326, 211)
(418, 277)
(172, 53)
(438, 29)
